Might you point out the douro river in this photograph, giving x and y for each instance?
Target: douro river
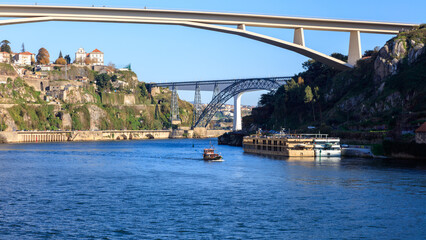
(162, 189)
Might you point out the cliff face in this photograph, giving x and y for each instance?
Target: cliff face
(125, 105)
(386, 90)
(406, 48)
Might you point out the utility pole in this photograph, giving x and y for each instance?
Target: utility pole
(66, 71)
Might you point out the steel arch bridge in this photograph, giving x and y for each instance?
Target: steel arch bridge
(231, 91)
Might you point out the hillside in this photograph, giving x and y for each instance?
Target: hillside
(385, 91)
(101, 101)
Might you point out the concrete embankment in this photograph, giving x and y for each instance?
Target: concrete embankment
(64, 136)
(105, 135)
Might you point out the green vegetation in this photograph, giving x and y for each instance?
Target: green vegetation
(17, 91)
(4, 46)
(353, 100)
(28, 117)
(7, 69)
(80, 117)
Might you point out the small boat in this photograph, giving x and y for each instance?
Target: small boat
(210, 155)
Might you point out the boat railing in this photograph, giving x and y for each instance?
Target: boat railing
(293, 136)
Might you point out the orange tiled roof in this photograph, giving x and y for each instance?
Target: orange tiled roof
(96, 51)
(422, 128)
(25, 53)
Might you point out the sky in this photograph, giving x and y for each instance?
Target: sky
(161, 53)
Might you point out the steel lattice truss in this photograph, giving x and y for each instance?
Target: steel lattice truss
(229, 92)
(174, 107)
(197, 104)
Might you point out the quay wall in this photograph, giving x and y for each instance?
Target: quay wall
(65, 136)
(105, 135)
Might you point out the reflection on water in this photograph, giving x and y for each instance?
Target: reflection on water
(163, 189)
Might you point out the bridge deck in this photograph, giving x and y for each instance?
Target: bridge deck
(209, 84)
(254, 20)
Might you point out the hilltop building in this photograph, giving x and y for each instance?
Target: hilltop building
(96, 57)
(80, 56)
(421, 134)
(24, 58)
(4, 57)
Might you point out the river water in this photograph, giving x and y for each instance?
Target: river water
(162, 189)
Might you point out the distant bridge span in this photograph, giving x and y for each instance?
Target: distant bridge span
(223, 90)
(210, 21)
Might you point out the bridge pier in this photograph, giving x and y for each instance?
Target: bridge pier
(197, 104)
(354, 48)
(237, 112)
(299, 37)
(174, 107)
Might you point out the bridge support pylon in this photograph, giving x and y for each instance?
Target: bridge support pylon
(354, 48)
(174, 107)
(197, 104)
(237, 112)
(299, 37)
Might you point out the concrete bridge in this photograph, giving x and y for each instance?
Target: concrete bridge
(223, 90)
(213, 21)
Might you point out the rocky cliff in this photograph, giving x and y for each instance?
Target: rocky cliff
(84, 105)
(385, 91)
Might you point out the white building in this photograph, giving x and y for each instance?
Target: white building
(24, 58)
(4, 57)
(96, 57)
(80, 56)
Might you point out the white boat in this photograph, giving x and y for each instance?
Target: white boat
(327, 147)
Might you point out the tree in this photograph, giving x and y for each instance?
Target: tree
(317, 99)
(103, 81)
(308, 95)
(309, 98)
(87, 61)
(111, 66)
(23, 47)
(266, 99)
(300, 81)
(68, 58)
(61, 61)
(43, 56)
(4, 45)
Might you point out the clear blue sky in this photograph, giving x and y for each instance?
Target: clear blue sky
(173, 53)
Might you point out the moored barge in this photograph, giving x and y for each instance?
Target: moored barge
(292, 145)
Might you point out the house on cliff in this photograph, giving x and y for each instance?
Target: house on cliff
(421, 134)
(24, 58)
(95, 57)
(4, 57)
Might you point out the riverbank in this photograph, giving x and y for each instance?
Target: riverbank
(369, 148)
(105, 135)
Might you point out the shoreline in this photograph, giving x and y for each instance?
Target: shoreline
(101, 135)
